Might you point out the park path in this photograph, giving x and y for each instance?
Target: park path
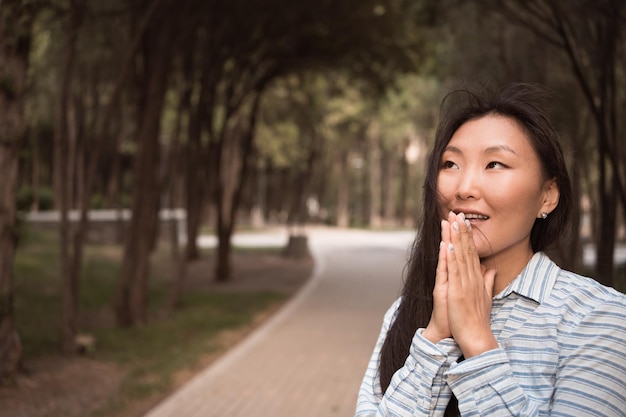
(308, 360)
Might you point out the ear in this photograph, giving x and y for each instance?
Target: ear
(550, 197)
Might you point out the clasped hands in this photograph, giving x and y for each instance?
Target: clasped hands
(462, 292)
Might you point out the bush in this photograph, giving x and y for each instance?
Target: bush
(26, 198)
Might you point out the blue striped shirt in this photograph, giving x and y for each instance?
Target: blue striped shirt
(562, 352)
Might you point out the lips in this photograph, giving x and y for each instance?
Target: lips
(472, 216)
(469, 215)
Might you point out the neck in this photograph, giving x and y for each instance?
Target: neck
(508, 266)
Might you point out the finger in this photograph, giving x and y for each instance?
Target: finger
(490, 279)
(454, 281)
(445, 231)
(469, 247)
(442, 265)
(459, 250)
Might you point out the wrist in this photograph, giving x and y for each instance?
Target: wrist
(433, 335)
(479, 346)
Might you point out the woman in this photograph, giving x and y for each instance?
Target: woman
(487, 324)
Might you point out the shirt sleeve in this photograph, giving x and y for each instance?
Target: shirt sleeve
(416, 389)
(485, 385)
(590, 378)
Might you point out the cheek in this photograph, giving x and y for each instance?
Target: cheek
(445, 195)
(445, 188)
(515, 197)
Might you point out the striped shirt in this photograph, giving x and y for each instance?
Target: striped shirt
(562, 352)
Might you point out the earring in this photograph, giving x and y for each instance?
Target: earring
(544, 215)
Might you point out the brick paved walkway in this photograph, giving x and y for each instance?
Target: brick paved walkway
(309, 359)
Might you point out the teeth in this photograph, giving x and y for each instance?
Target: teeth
(476, 216)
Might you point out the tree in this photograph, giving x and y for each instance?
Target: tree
(157, 41)
(281, 38)
(16, 18)
(589, 34)
(70, 262)
(408, 117)
(308, 119)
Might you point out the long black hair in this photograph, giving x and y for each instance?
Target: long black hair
(524, 103)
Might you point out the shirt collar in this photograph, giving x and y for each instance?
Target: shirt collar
(536, 280)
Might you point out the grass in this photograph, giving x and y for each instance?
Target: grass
(150, 355)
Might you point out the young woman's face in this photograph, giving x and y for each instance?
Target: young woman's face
(491, 173)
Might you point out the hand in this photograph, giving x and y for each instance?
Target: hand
(438, 327)
(470, 289)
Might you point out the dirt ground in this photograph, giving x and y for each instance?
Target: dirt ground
(58, 386)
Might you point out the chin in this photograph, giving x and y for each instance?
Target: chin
(483, 250)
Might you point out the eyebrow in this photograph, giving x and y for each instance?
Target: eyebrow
(489, 150)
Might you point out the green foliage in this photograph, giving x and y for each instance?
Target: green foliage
(26, 198)
(310, 107)
(279, 143)
(97, 201)
(410, 109)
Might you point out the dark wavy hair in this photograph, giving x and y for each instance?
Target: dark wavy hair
(524, 103)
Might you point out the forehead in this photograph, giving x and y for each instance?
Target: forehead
(491, 131)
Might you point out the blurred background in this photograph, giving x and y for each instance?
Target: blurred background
(131, 130)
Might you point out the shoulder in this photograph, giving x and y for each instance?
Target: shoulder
(583, 300)
(391, 314)
(392, 311)
(572, 286)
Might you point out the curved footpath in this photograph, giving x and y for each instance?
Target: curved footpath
(308, 359)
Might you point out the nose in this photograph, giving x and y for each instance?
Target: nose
(469, 185)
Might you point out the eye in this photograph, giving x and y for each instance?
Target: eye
(495, 164)
(448, 165)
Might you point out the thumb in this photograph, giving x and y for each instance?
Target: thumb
(490, 278)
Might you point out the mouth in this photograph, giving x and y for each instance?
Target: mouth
(472, 217)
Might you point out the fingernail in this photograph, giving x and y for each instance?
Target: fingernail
(469, 225)
(455, 226)
(461, 216)
(450, 247)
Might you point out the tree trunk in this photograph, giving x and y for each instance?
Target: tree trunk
(10, 345)
(298, 213)
(233, 167)
(131, 299)
(194, 188)
(297, 247)
(573, 249)
(375, 177)
(259, 208)
(36, 175)
(111, 151)
(343, 189)
(16, 20)
(389, 197)
(404, 188)
(181, 260)
(223, 268)
(605, 246)
(172, 174)
(65, 149)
